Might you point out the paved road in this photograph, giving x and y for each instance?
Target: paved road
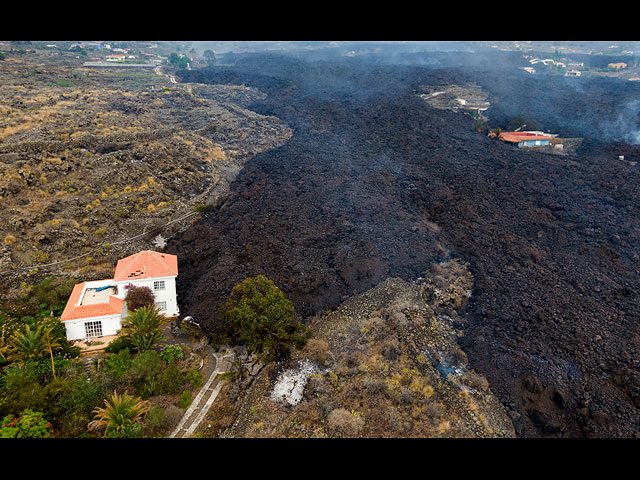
(205, 398)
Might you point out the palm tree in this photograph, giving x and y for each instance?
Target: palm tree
(142, 327)
(4, 347)
(51, 343)
(29, 344)
(119, 412)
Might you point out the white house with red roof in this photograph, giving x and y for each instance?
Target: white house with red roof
(96, 308)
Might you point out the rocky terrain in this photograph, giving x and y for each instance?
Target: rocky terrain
(385, 363)
(364, 204)
(375, 183)
(90, 158)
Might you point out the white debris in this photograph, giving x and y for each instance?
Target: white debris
(159, 242)
(290, 384)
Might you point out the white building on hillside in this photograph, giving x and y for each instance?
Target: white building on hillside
(96, 308)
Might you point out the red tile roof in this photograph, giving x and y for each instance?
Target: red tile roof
(521, 136)
(146, 264)
(73, 311)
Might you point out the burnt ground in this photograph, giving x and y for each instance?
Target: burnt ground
(375, 183)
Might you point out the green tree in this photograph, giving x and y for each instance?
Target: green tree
(260, 317)
(210, 56)
(179, 61)
(51, 293)
(120, 413)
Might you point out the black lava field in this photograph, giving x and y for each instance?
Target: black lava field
(375, 183)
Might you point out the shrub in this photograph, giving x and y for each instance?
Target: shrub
(172, 352)
(317, 351)
(195, 378)
(343, 423)
(21, 389)
(172, 415)
(128, 431)
(156, 418)
(203, 207)
(146, 365)
(118, 364)
(118, 344)
(28, 425)
(138, 297)
(185, 399)
(172, 379)
(52, 292)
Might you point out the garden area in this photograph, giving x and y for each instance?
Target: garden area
(139, 386)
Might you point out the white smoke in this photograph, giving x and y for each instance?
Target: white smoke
(626, 126)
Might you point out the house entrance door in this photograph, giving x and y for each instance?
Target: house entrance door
(93, 329)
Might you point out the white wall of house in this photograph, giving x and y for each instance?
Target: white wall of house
(164, 291)
(76, 328)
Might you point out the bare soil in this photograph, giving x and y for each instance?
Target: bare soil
(90, 158)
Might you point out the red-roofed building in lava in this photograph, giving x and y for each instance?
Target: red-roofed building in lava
(526, 139)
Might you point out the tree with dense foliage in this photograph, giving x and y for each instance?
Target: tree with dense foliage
(138, 297)
(179, 61)
(51, 293)
(119, 413)
(142, 327)
(210, 56)
(260, 317)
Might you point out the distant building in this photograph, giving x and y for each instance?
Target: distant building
(617, 66)
(573, 73)
(526, 139)
(115, 58)
(529, 69)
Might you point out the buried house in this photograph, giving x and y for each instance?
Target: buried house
(526, 139)
(96, 308)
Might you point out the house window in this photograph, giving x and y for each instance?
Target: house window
(93, 329)
(158, 285)
(162, 306)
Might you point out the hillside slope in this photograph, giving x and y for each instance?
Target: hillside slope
(90, 158)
